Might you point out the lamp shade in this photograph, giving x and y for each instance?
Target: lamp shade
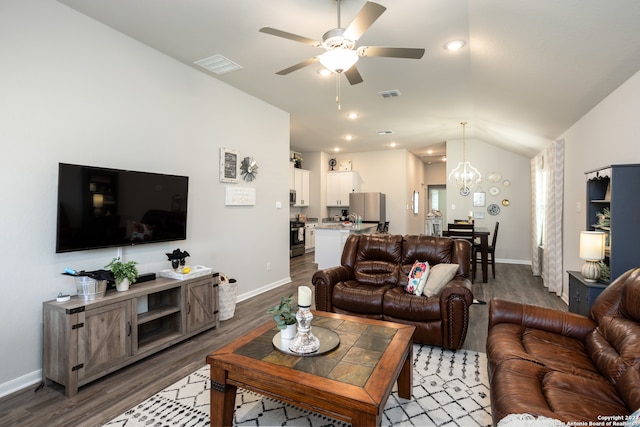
(339, 60)
(592, 245)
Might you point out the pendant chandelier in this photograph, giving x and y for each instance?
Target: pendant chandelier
(464, 175)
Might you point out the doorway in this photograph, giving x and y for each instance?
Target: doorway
(437, 199)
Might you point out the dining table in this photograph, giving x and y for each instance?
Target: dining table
(483, 234)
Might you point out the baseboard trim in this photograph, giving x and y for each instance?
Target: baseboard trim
(20, 383)
(513, 261)
(263, 289)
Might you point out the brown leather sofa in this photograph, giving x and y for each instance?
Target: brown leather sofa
(565, 366)
(369, 283)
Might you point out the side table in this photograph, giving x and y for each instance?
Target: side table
(582, 293)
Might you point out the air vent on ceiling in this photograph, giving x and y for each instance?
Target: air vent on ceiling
(218, 64)
(385, 132)
(389, 93)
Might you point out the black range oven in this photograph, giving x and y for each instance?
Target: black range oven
(296, 239)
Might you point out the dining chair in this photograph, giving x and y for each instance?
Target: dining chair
(465, 232)
(491, 253)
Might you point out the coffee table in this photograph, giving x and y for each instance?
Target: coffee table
(351, 383)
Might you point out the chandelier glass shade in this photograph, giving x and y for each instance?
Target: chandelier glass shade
(339, 59)
(464, 175)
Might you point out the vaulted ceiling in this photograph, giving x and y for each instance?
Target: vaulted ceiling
(528, 71)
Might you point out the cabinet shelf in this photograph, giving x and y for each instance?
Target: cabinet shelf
(157, 338)
(156, 313)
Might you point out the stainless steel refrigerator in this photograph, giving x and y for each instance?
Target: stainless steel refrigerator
(372, 207)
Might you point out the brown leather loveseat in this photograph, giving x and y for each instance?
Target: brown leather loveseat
(371, 278)
(565, 366)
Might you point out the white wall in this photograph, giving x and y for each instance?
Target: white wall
(606, 135)
(514, 237)
(76, 91)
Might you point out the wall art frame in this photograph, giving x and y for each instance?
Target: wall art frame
(479, 199)
(229, 165)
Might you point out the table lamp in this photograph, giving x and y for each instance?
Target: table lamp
(592, 251)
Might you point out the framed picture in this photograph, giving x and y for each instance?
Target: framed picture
(229, 166)
(479, 199)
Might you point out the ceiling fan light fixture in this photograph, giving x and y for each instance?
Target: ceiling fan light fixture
(339, 60)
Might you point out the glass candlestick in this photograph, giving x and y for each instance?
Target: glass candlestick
(304, 341)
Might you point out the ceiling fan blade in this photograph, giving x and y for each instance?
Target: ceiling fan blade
(290, 36)
(363, 20)
(353, 75)
(391, 52)
(298, 66)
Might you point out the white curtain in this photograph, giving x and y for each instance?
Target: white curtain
(547, 178)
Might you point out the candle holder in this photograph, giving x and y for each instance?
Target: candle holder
(304, 341)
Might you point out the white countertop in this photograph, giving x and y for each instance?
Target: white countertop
(355, 228)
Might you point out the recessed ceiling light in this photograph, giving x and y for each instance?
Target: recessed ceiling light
(352, 116)
(336, 149)
(348, 137)
(393, 144)
(454, 45)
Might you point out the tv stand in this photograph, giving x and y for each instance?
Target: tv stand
(85, 340)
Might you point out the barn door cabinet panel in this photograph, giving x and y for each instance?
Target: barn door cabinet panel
(85, 340)
(202, 305)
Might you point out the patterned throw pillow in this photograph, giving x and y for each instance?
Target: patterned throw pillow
(417, 277)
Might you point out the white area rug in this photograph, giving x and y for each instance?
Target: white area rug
(450, 388)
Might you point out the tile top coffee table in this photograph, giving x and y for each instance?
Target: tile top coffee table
(351, 383)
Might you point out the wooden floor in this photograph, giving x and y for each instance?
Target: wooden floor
(108, 397)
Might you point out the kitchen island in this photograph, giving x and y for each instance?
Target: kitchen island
(330, 239)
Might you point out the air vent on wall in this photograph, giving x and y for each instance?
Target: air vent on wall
(385, 132)
(389, 93)
(218, 64)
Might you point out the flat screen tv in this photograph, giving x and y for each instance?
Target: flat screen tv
(100, 208)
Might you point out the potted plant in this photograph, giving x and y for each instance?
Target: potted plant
(284, 314)
(125, 273)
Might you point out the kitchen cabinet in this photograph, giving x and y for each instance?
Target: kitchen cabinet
(616, 188)
(310, 237)
(301, 185)
(339, 185)
(85, 340)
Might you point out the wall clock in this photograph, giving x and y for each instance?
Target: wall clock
(248, 169)
(332, 164)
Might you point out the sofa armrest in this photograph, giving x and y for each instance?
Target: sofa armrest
(455, 299)
(324, 281)
(546, 319)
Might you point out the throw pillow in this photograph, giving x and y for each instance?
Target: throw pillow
(440, 275)
(417, 277)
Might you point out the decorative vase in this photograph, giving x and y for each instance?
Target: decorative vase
(123, 285)
(288, 333)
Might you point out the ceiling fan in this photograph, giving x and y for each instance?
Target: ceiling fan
(340, 53)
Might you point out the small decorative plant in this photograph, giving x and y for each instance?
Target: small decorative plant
(285, 312)
(123, 270)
